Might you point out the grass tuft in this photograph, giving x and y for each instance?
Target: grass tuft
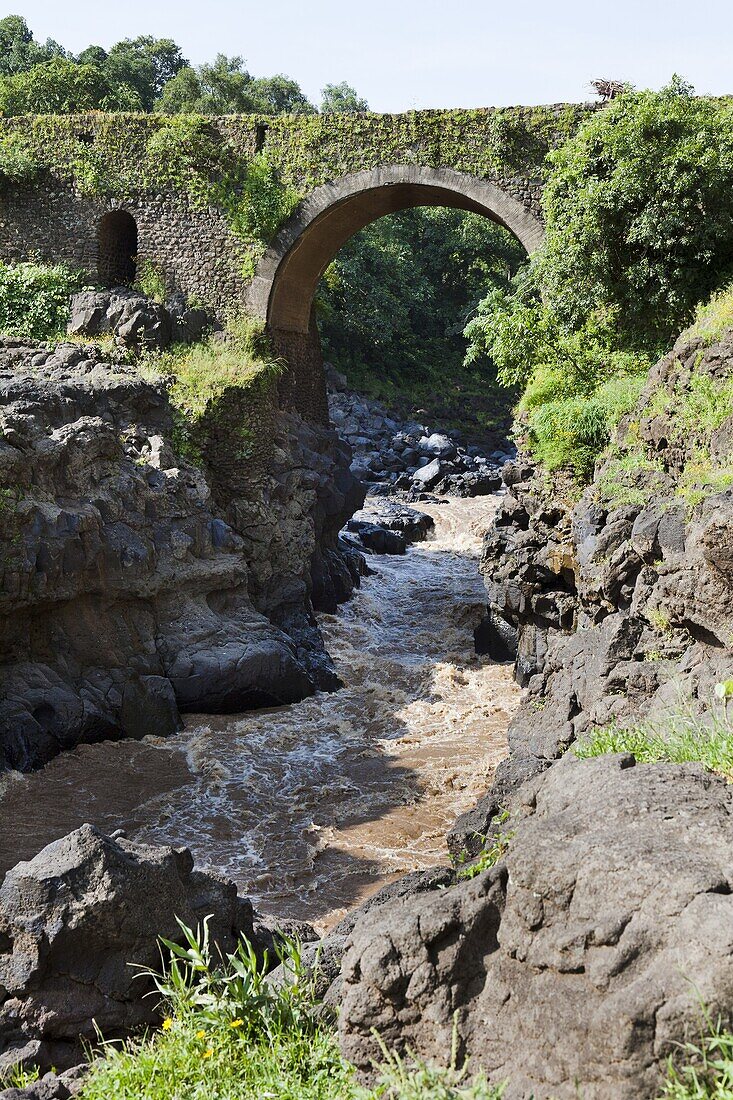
(232, 1034)
(680, 739)
(705, 1070)
(714, 317)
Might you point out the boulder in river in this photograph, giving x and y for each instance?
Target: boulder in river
(581, 958)
(412, 524)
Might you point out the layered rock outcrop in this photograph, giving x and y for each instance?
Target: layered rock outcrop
(136, 583)
(576, 964)
(618, 606)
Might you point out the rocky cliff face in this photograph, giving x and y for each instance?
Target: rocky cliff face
(574, 956)
(135, 584)
(577, 964)
(618, 606)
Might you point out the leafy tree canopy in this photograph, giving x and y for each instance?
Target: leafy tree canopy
(639, 213)
(226, 87)
(19, 51)
(392, 307)
(341, 98)
(143, 74)
(62, 86)
(146, 64)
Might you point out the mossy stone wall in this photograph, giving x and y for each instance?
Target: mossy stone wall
(209, 194)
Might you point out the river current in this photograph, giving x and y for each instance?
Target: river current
(311, 807)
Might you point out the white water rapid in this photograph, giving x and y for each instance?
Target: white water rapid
(312, 806)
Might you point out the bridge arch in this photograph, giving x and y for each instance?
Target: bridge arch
(285, 282)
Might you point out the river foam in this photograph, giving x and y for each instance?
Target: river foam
(311, 807)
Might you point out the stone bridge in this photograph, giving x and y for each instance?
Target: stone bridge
(248, 212)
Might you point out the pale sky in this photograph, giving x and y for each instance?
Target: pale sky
(403, 54)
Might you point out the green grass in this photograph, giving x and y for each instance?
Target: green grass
(231, 1035)
(705, 1070)
(19, 1078)
(203, 372)
(703, 477)
(151, 281)
(573, 431)
(618, 485)
(680, 739)
(712, 318)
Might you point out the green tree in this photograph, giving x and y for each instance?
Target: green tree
(19, 51)
(61, 86)
(398, 295)
(226, 87)
(279, 95)
(639, 212)
(341, 99)
(145, 64)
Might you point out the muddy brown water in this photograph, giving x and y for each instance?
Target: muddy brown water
(311, 807)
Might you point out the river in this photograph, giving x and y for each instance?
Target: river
(311, 807)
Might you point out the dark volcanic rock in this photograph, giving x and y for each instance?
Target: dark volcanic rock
(132, 317)
(135, 584)
(413, 525)
(74, 922)
(409, 457)
(619, 605)
(136, 320)
(325, 956)
(577, 962)
(376, 538)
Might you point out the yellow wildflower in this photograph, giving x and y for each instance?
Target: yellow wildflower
(208, 1053)
(167, 1023)
(237, 1023)
(200, 1034)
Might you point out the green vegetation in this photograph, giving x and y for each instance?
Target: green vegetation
(703, 476)
(625, 239)
(227, 382)
(572, 431)
(34, 299)
(204, 372)
(341, 99)
(230, 1033)
(393, 304)
(225, 87)
(151, 281)
(677, 740)
(705, 1071)
(19, 1078)
(713, 317)
(143, 74)
(492, 851)
(628, 480)
(625, 261)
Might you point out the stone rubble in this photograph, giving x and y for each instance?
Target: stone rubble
(409, 457)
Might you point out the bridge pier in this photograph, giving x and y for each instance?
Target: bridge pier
(303, 384)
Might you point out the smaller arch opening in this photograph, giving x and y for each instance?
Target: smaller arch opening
(117, 249)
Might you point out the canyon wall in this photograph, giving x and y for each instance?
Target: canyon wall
(148, 567)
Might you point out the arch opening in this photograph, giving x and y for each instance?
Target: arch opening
(287, 277)
(392, 308)
(117, 249)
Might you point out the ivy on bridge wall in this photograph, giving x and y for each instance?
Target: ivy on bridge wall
(210, 193)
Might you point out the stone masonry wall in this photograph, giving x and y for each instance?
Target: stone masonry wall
(193, 248)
